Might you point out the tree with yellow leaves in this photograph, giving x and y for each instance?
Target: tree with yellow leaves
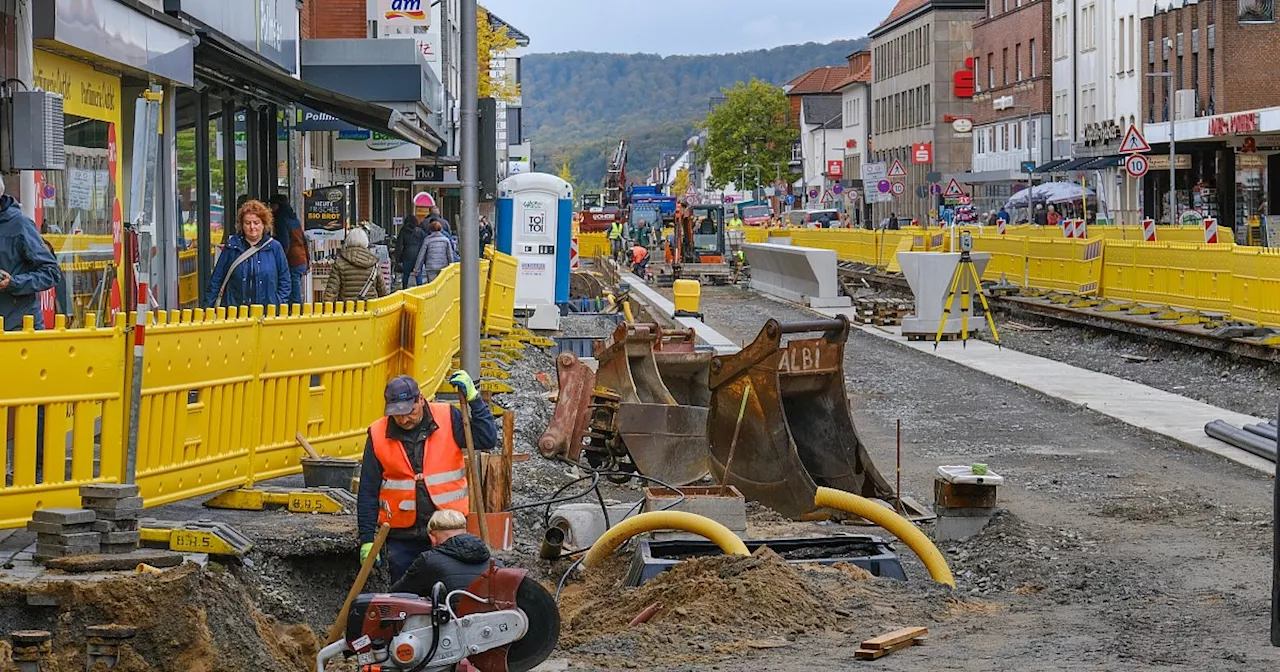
(681, 184)
(493, 42)
(566, 173)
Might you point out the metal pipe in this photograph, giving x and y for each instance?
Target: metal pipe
(204, 220)
(1265, 431)
(1275, 554)
(229, 181)
(809, 325)
(468, 220)
(1241, 439)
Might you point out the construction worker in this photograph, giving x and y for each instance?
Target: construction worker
(684, 232)
(615, 239)
(640, 261)
(736, 221)
(414, 465)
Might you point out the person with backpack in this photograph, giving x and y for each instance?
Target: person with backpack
(355, 275)
(252, 269)
(288, 231)
(436, 255)
(408, 245)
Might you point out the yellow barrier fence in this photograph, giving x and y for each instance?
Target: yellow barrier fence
(224, 391)
(1184, 275)
(591, 245)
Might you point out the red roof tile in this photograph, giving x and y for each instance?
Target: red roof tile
(903, 8)
(825, 79)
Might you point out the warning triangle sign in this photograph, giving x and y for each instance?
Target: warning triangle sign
(953, 190)
(896, 170)
(1133, 142)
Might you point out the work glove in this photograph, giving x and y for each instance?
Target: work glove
(461, 379)
(365, 549)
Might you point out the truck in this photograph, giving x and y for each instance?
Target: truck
(755, 213)
(651, 196)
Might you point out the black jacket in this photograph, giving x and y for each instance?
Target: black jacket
(456, 562)
(483, 431)
(408, 243)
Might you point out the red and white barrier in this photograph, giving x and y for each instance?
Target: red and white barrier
(1210, 230)
(1001, 226)
(1148, 230)
(574, 262)
(1082, 229)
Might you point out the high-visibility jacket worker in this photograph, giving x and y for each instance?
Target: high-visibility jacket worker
(615, 231)
(413, 465)
(615, 241)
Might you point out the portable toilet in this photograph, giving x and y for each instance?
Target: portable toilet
(535, 225)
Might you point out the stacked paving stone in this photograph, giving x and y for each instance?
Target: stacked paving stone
(63, 532)
(117, 508)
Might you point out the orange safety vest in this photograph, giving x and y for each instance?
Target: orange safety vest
(639, 254)
(443, 469)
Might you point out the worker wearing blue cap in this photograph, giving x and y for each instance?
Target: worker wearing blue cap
(414, 465)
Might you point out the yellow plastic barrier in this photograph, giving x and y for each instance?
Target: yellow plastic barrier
(224, 391)
(591, 245)
(1185, 275)
(500, 298)
(1256, 284)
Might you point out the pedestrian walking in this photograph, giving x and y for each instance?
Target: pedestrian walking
(252, 268)
(408, 245)
(355, 275)
(27, 267)
(414, 466)
(288, 231)
(436, 253)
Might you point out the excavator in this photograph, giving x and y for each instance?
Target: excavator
(613, 206)
(699, 251)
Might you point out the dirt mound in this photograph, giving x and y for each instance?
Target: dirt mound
(714, 607)
(189, 619)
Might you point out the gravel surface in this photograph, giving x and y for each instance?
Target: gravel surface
(1118, 550)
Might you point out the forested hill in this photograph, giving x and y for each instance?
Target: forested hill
(579, 104)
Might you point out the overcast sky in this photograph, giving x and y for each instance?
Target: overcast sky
(685, 26)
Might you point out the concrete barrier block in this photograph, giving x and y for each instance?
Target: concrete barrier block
(802, 274)
(929, 274)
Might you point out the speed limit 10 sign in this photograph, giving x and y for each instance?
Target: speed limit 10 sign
(1136, 165)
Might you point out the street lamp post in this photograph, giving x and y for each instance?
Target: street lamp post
(1027, 139)
(1173, 115)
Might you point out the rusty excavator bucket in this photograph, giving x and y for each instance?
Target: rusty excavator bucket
(666, 440)
(797, 433)
(685, 370)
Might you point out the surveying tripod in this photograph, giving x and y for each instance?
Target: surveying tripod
(965, 281)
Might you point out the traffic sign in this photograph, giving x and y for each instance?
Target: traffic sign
(883, 186)
(965, 200)
(852, 195)
(899, 189)
(728, 200)
(1133, 142)
(935, 189)
(896, 170)
(790, 199)
(1136, 165)
(953, 190)
(813, 193)
(837, 189)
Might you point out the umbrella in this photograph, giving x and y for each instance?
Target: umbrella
(1050, 193)
(424, 200)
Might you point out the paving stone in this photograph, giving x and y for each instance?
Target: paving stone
(116, 525)
(108, 490)
(123, 562)
(117, 549)
(74, 539)
(60, 551)
(111, 504)
(57, 528)
(112, 538)
(64, 516)
(120, 514)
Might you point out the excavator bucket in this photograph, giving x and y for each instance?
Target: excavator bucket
(797, 432)
(683, 368)
(666, 440)
(563, 436)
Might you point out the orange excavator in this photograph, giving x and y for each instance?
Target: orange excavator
(698, 252)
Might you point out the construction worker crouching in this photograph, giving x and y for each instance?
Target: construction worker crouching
(640, 261)
(414, 465)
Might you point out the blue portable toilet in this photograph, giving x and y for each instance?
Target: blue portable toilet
(535, 225)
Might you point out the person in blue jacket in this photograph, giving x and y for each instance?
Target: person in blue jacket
(252, 268)
(27, 268)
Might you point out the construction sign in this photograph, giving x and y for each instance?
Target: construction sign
(896, 170)
(1133, 142)
(953, 190)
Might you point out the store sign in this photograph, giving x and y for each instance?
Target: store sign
(1002, 103)
(1235, 124)
(962, 82)
(1102, 133)
(405, 12)
(327, 208)
(1159, 162)
(310, 120)
(399, 170)
(429, 174)
(372, 146)
(85, 91)
(835, 169)
(922, 152)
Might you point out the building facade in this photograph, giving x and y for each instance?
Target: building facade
(1225, 112)
(922, 70)
(855, 104)
(1013, 100)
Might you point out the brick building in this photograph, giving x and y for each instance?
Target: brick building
(921, 59)
(1226, 110)
(1013, 99)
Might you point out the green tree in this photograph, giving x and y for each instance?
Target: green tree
(750, 127)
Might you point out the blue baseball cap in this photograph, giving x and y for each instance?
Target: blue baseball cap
(401, 395)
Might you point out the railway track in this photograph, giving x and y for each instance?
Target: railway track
(1095, 317)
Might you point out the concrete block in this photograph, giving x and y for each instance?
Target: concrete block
(111, 504)
(831, 302)
(963, 495)
(929, 274)
(950, 527)
(60, 551)
(116, 525)
(56, 528)
(545, 317)
(800, 274)
(118, 549)
(120, 514)
(108, 490)
(89, 538)
(729, 510)
(110, 538)
(63, 516)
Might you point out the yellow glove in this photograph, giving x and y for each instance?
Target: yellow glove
(365, 549)
(461, 379)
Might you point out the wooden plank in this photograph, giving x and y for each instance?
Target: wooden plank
(889, 639)
(876, 654)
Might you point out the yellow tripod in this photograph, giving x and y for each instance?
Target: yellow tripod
(965, 282)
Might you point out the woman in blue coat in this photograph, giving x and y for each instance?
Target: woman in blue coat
(252, 268)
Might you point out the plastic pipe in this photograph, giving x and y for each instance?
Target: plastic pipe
(664, 520)
(1247, 441)
(900, 527)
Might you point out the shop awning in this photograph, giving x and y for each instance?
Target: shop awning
(1048, 167)
(237, 66)
(1073, 165)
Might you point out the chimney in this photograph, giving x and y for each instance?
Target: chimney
(858, 61)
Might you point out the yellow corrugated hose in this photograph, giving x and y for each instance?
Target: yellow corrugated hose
(664, 520)
(900, 527)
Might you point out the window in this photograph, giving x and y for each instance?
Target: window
(1087, 29)
(1031, 56)
(1060, 46)
(991, 71)
(1120, 47)
(1133, 42)
(1017, 61)
(928, 106)
(1004, 65)
(1017, 135)
(977, 68)
(1060, 114)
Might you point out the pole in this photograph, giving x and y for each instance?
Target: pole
(26, 72)
(1173, 115)
(1275, 556)
(1030, 161)
(899, 467)
(468, 241)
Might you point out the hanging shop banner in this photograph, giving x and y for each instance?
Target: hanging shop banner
(328, 208)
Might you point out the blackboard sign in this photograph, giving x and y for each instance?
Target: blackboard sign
(328, 208)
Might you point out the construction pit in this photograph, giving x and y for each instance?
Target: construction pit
(1110, 550)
